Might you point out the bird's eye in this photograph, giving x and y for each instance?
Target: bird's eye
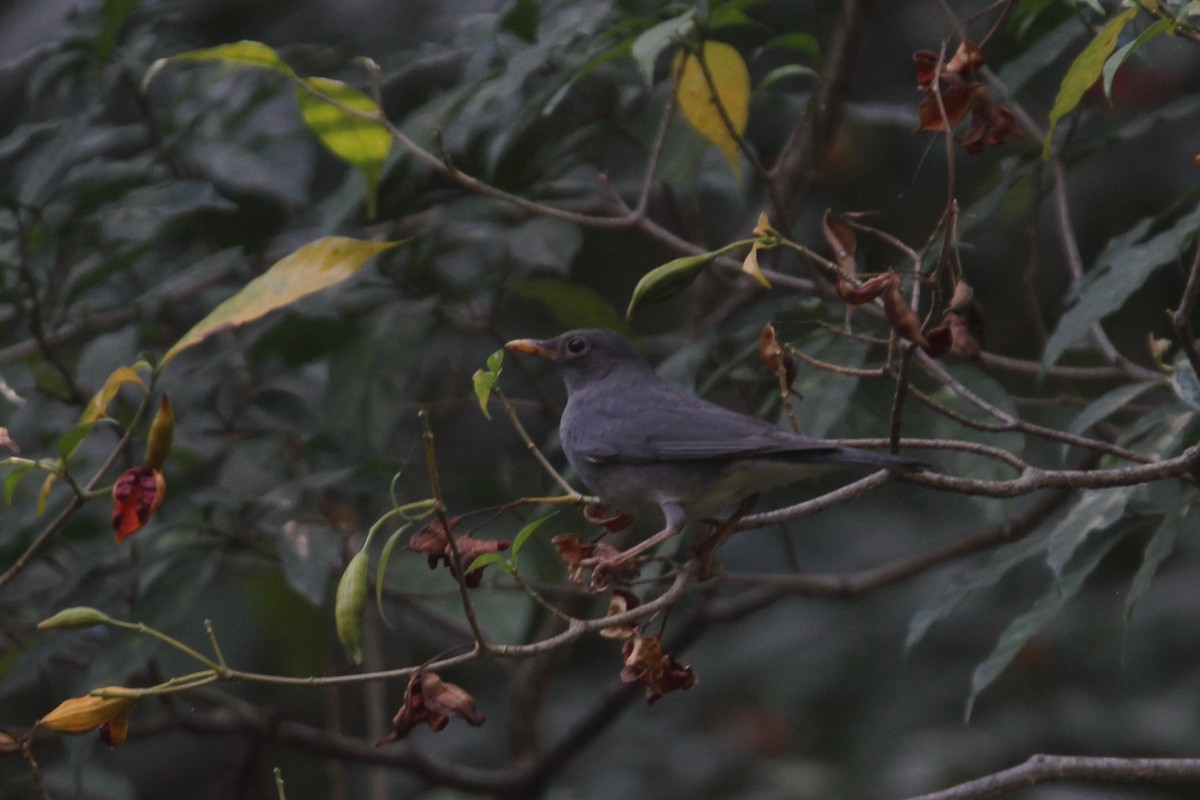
(576, 345)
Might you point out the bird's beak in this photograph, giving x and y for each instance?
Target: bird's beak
(534, 347)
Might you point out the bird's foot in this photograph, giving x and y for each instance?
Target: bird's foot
(705, 551)
(593, 564)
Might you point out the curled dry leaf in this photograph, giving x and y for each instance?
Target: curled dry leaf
(574, 551)
(429, 699)
(841, 239)
(900, 316)
(647, 664)
(961, 95)
(967, 58)
(775, 355)
(964, 317)
(864, 292)
(966, 331)
(433, 541)
(605, 517)
(622, 600)
(938, 340)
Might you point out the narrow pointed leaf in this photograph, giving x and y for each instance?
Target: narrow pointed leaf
(12, 479)
(1026, 626)
(730, 88)
(1084, 72)
(97, 407)
(1123, 53)
(315, 266)
(1161, 545)
(524, 534)
(647, 47)
(360, 142)
(244, 53)
(384, 556)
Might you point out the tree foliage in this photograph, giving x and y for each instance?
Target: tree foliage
(964, 231)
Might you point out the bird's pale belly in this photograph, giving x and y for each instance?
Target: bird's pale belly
(702, 488)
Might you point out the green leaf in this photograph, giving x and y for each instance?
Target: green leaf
(349, 604)
(315, 266)
(487, 559)
(384, 556)
(362, 143)
(1024, 627)
(12, 479)
(1095, 511)
(484, 382)
(1041, 54)
(966, 584)
(786, 71)
(244, 53)
(574, 305)
(495, 361)
(1184, 381)
(1161, 545)
(1121, 269)
(1098, 509)
(647, 47)
(522, 20)
(1084, 72)
(1118, 58)
(71, 439)
(524, 534)
(668, 280)
(1106, 405)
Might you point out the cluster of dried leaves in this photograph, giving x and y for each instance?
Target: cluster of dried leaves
(953, 91)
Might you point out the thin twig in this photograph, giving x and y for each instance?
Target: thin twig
(1181, 317)
(1041, 769)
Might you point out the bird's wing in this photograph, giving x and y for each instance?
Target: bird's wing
(668, 424)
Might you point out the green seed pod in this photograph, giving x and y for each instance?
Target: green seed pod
(349, 604)
(75, 617)
(162, 431)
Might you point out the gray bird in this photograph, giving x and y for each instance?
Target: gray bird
(642, 444)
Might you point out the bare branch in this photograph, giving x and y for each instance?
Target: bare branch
(1041, 769)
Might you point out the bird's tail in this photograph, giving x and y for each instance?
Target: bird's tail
(870, 458)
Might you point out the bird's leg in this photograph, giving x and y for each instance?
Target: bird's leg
(604, 567)
(704, 550)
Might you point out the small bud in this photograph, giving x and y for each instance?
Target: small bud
(76, 617)
(162, 432)
(83, 714)
(349, 604)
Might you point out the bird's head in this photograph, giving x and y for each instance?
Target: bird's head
(584, 356)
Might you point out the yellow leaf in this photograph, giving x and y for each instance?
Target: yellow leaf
(361, 142)
(82, 714)
(97, 407)
(244, 53)
(698, 100)
(315, 266)
(751, 268)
